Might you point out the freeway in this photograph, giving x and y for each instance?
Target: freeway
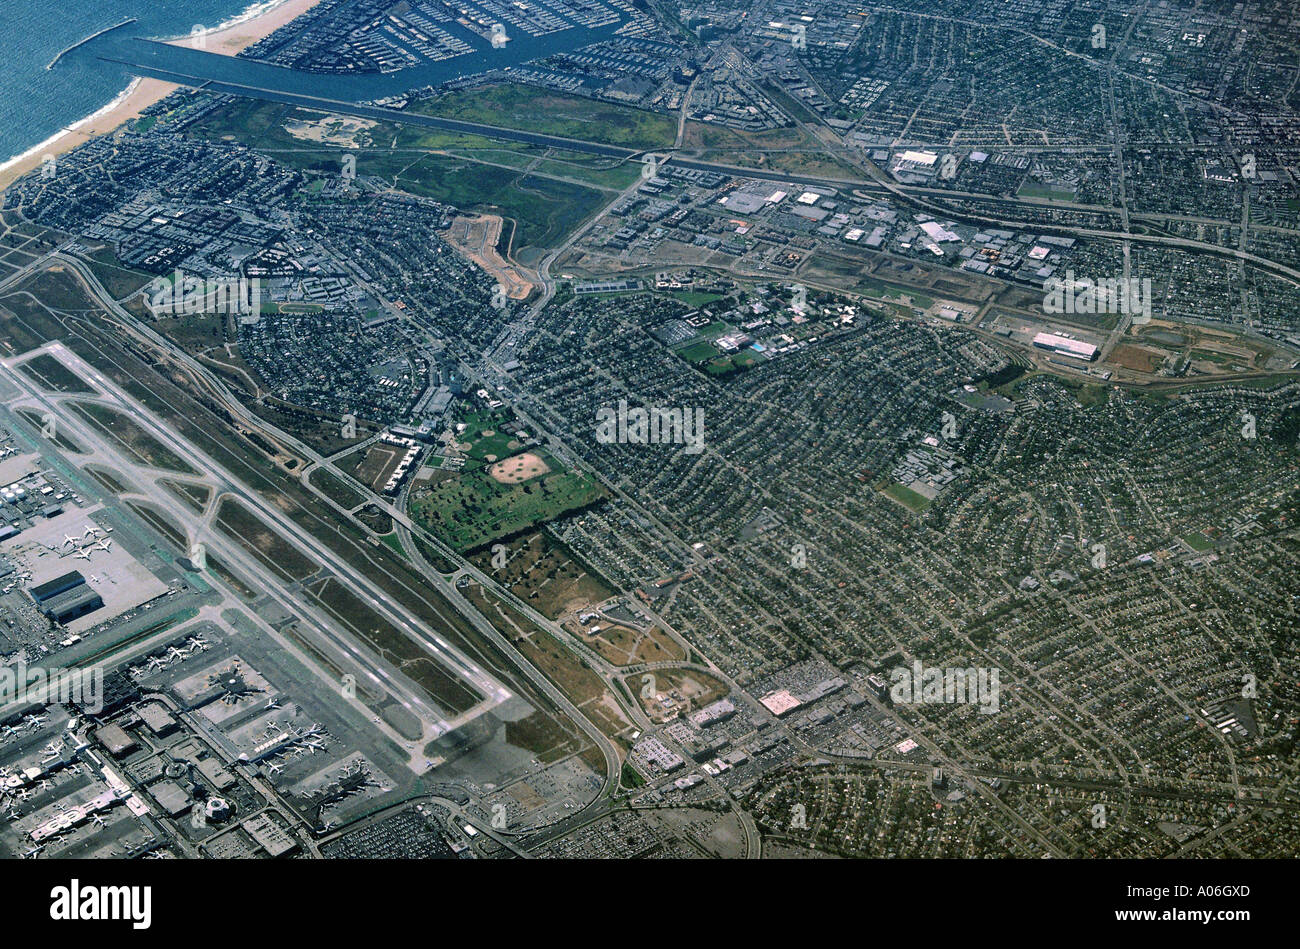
(384, 114)
(237, 409)
(876, 179)
(141, 485)
(398, 615)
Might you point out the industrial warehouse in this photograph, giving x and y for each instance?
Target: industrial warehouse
(66, 597)
(1066, 346)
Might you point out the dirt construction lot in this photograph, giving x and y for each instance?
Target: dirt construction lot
(476, 237)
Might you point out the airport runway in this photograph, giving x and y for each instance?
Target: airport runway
(231, 552)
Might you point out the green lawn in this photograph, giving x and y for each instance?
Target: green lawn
(470, 509)
(532, 109)
(907, 497)
(546, 209)
(698, 352)
(1036, 189)
(395, 544)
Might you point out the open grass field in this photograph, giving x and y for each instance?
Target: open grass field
(333, 488)
(623, 645)
(545, 209)
(469, 509)
(443, 687)
(37, 421)
(786, 149)
(907, 497)
(544, 572)
(540, 110)
(582, 686)
(53, 375)
(372, 465)
(236, 521)
(457, 169)
(135, 440)
(195, 496)
(117, 280)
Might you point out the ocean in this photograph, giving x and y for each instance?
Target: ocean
(37, 103)
(87, 51)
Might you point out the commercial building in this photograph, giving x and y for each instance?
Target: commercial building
(1065, 346)
(61, 584)
(67, 606)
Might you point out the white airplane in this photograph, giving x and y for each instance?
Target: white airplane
(198, 642)
(99, 821)
(174, 653)
(31, 854)
(91, 530)
(274, 768)
(13, 816)
(24, 794)
(69, 540)
(105, 545)
(327, 825)
(81, 555)
(272, 703)
(155, 662)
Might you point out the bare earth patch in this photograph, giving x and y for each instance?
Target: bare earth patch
(476, 237)
(518, 468)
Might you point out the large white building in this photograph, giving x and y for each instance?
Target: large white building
(1066, 346)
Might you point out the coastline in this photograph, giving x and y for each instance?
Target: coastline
(232, 36)
(256, 22)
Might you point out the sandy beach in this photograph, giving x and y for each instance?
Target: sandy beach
(143, 93)
(239, 36)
